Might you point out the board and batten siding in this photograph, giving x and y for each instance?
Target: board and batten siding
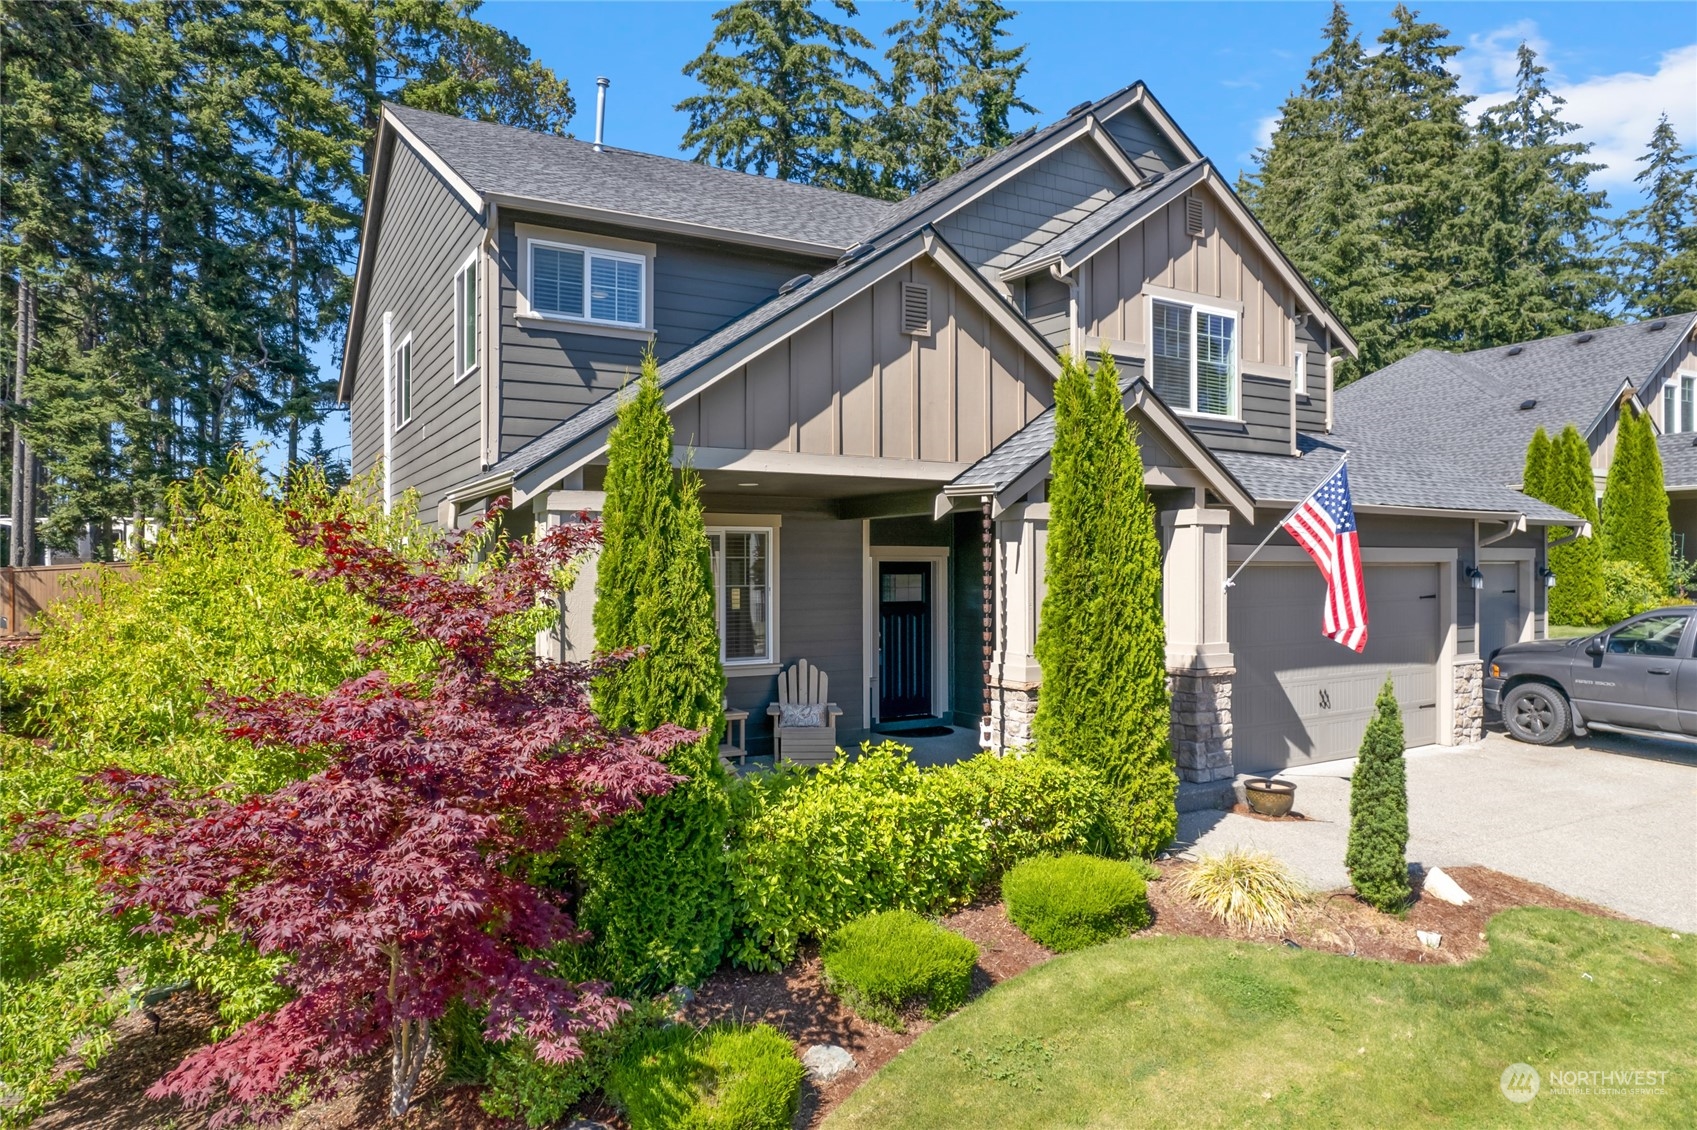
(853, 383)
(426, 234)
(1017, 217)
(1149, 150)
(549, 371)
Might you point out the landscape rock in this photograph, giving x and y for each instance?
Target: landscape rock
(1440, 885)
(1428, 939)
(824, 1062)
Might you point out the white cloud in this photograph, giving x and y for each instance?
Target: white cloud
(1489, 61)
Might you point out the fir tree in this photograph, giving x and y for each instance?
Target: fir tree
(1378, 810)
(658, 893)
(782, 95)
(1102, 643)
(1578, 597)
(1658, 261)
(1636, 528)
(1533, 481)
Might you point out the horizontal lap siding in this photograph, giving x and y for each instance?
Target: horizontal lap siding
(853, 383)
(1149, 151)
(549, 373)
(1311, 409)
(1048, 307)
(1015, 218)
(1265, 425)
(426, 233)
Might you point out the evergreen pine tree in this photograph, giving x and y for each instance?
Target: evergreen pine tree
(1102, 648)
(1579, 596)
(657, 892)
(783, 95)
(1636, 527)
(1378, 810)
(1533, 481)
(1658, 262)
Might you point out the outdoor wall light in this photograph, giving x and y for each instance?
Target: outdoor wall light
(1548, 576)
(1475, 577)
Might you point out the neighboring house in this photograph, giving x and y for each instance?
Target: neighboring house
(1583, 379)
(865, 387)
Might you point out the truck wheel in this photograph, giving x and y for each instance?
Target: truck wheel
(1536, 713)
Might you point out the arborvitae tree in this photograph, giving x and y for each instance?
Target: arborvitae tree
(1658, 261)
(1102, 639)
(1635, 500)
(1532, 482)
(782, 95)
(1378, 810)
(658, 895)
(1528, 262)
(1579, 596)
(950, 93)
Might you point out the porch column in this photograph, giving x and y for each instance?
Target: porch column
(572, 637)
(1199, 659)
(1014, 676)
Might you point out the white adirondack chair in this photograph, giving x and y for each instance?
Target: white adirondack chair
(805, 685)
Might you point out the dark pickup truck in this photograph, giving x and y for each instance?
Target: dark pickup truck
(1638, 675)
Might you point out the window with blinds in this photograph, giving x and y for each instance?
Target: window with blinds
(1193, 357)
(587, 284)
(742, 582)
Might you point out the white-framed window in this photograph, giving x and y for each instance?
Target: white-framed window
(1679, 403)
(1193, 353)
(402, 370)
(1299, 371)
(466, 315)
(742, 590)
(596, 285)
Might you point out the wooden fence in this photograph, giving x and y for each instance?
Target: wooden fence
(25, 592)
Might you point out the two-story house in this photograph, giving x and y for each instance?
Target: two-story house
(864, 388)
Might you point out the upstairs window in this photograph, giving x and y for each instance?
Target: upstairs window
(465, 319)
(588, 284)
(1299, 372)
(402, 369)
(1193, 357)
(1679, 404)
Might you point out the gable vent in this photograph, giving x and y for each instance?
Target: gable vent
(1193, 215)
(799, 280)
(1583, 338)
(916, 309)
(1514, 350)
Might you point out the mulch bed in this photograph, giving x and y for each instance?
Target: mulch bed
(796, 1003)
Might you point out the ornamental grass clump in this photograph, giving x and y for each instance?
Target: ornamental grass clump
(727, 1077)
(1244, 888)
(884, 964)
(1069, 902)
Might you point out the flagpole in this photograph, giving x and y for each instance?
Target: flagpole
(1280, 524)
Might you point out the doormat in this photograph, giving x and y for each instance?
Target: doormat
(916, 732)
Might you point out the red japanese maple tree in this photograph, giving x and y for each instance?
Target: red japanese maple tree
(391, 877)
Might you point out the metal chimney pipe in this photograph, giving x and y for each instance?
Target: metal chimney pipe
(601, 85)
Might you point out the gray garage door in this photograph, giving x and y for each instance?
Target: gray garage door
(1297, 696)
(1499, 607)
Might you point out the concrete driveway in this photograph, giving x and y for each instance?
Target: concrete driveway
(1610, 819)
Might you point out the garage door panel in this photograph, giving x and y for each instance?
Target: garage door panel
(1299, 697)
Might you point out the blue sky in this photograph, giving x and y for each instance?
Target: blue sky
(1221, 69)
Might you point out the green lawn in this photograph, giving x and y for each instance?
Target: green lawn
(1191, 1032)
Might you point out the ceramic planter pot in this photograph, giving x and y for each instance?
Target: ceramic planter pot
(1268, 797)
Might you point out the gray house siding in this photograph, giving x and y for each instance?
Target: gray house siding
(1265, 423)
(1016, 218)
(426, 233)
(1048, 307)
(1149, 151)
(966, 613)
(548, 373)
(1311, 409)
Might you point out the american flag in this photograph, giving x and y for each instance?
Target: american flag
(1324, 525)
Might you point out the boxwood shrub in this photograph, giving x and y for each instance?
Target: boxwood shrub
(726, 1077)
(884, 963)
(811, 851)
(1071, 901)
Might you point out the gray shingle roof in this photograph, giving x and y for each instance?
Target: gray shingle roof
(518, 162)
(1679, 460)
(1150, 194)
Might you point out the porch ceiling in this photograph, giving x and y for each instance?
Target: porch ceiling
(831, 487)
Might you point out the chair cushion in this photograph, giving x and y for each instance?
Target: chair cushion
(796, 714)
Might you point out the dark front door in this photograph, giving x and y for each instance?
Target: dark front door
(904, 640)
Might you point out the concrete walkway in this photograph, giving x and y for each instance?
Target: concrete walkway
(1610, 819)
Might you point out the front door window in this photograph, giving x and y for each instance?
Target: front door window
(904, 640)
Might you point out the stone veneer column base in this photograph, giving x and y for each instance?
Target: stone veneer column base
(1202, 722)
(1013, 708)
(1469, 713)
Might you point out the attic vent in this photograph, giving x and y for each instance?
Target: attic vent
(858, 251)
(1658, 324)
(1077, 108)
(1583, 338)
(1528, 405)
(799, 280)
(1514, 350)
(932, 183)
(1193, 215)
(916, 309)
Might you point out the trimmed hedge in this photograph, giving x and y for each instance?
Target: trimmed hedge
(884, 963)
(1069, 902)
(812, 851)
(726, 1077)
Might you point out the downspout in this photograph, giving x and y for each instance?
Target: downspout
(489, 323)
(1518, 526)
(1075, 332)
(986, 731)
(388, 411)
